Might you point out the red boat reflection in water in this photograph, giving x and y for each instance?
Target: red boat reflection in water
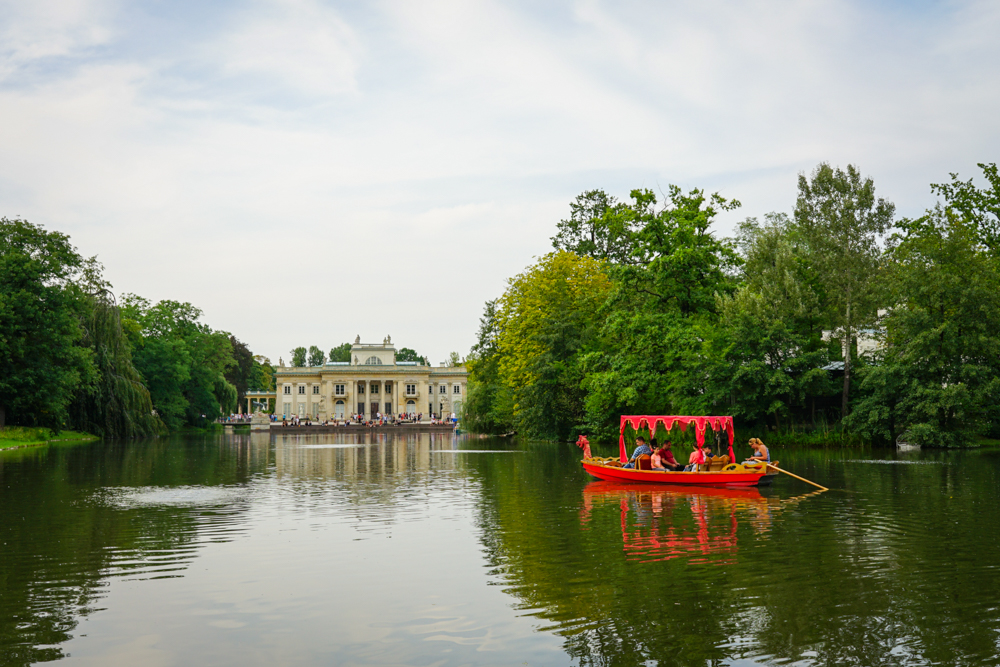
(660, 527)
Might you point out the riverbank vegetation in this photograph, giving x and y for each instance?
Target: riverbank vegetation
(835, 321)
(72, 357)
(14, 437)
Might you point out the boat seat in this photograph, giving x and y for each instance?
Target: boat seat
(717, 463)
(644, 462)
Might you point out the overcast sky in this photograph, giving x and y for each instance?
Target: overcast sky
(308, 171)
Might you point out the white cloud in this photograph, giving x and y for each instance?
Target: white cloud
(383, 168)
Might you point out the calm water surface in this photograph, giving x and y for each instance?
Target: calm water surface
(443, 550)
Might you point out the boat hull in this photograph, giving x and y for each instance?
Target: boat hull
(611, 473)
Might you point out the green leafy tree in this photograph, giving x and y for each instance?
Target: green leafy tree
(182, 360)
(546, 319)
(299, 356)
(454, 359)
(316, 356)
(842, 221)
(939, 376)
(404, 354)
(979, 206)
(652, 355)
(341, 353)
(238, 374)
(116, 404)
(599, 226)
(41, 361)
(485, 407)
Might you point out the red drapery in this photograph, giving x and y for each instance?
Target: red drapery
(668, 421)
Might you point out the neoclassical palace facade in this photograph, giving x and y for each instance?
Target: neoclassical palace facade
(370, 383)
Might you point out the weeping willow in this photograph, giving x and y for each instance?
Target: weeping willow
(115, 403)
(225, 394)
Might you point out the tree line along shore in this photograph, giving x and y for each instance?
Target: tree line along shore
(641, 308)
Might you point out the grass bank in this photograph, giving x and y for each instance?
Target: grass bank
(13, 437)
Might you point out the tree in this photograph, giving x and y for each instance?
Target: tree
(41, 363)
(485, 408)
(981, 207)
(341, 353)
(454, 359)
(652, 356)
(939, 378)
(842, 222)
(316, 356)
(116, 404)
(182, 360)
(599, 227)
(299, 356)
(406, 354)
(546, 318)
(239, 373)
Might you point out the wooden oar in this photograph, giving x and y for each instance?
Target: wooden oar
(801, 479)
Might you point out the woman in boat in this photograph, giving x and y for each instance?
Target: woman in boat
(642, 448)
(760, 453)
(663, 459)
(696, 459)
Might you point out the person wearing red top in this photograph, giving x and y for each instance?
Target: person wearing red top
(663, 458)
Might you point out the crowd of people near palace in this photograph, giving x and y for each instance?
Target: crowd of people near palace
(662, 457)
(359, 420)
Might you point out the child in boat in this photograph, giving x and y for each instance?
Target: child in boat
(641, 448)
(663, 459)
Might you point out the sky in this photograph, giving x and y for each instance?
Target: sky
(305, 172)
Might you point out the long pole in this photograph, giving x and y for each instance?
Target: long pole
(802, 479)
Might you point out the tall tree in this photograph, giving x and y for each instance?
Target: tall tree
(41, 364)
(316, 356)
(599, 226)
(116, 404)
(299, 356)
(239, 373)
(842, 221)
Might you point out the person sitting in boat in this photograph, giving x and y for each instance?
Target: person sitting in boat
(641, 448)
(696, 459)
(663, 458)
(760, 453)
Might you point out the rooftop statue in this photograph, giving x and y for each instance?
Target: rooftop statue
(357, 341)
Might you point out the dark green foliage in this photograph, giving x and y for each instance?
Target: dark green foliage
(404, 354)
(182, 360)
(938, 380)
(41, 360)
(299, 356)
(316, 356)
(116, 404)
(340, 353)
(240, 372)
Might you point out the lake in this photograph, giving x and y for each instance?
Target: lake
(432, 549)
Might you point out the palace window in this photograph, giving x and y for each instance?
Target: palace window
(302, 389)
(315, 388)
(288, 390)
(457, 389)
(339, 389)
(388, 387)
(374, 388)
(361, 388)
(442, 389)
(373, 361)
(286, 408)
(411, 390)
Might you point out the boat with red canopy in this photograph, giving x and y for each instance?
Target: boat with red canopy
(715, 471)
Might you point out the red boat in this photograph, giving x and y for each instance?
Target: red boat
(719, 471)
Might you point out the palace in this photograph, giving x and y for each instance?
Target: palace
(371, 382)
